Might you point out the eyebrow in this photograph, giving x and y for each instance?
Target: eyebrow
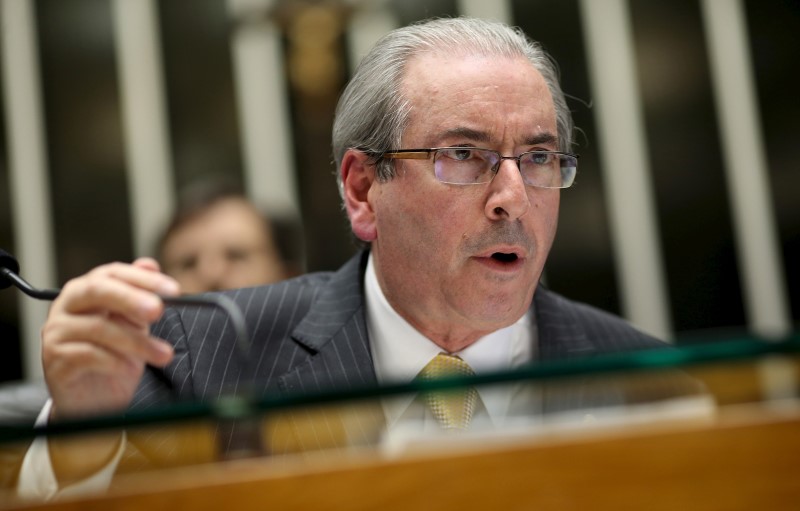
(482, 136)
(468, 133)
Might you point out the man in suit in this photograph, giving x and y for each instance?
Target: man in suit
(452, 143)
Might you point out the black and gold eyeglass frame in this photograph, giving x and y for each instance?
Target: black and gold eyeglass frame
(474, 165)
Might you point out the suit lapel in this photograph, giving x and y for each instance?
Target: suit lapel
(334, 333)
(560, 334)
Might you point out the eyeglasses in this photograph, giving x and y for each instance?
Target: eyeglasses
(470, 165)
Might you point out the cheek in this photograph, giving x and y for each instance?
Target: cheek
(437, 221)
(545, 211)
(414, 223)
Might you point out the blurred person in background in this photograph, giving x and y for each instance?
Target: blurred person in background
(218, 239)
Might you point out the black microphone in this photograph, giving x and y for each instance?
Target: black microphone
(9, 275)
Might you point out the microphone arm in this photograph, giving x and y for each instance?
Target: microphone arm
(9, 269)
(22, 285)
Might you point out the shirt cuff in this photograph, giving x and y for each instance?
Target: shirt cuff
(37, 479)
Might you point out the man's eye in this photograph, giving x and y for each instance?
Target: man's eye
(539, 158)
(457, 154)
(462, 154)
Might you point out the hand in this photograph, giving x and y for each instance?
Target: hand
(96, 340)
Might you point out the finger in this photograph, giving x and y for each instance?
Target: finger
(105, 333)
(94, 294)
(143, 273)
(72, 362)
(147, 263)
(97, 291)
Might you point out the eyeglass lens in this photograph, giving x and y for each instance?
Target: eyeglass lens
(466, 165)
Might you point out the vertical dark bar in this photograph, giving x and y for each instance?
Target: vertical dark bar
(774, 26)
(581, 263)
(198, 71)
(83, 126)
(688, 169)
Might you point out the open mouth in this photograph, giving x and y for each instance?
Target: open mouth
(504, 257)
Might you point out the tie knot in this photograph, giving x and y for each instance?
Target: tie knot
(452, 408)
(443, 366)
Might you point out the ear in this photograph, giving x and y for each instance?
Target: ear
(358, 177)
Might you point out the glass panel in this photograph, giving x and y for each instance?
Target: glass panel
(590, 402)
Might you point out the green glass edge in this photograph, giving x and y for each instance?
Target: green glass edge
(243, 406)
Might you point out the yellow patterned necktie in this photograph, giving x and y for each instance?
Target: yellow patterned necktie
(453, 408)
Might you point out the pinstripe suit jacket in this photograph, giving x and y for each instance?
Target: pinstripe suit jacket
(310, 334)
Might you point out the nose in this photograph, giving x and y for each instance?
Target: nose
(508, 195)
(211, 272)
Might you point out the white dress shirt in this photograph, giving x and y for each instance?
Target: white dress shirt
(37, 479)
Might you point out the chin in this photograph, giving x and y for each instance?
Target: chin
(499, 311)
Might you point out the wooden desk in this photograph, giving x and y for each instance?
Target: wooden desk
(748, 459)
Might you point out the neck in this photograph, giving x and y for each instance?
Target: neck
(451, 338)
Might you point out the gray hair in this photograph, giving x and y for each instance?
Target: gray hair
(372, 113)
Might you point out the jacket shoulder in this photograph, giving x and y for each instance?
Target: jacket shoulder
(599, 329)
